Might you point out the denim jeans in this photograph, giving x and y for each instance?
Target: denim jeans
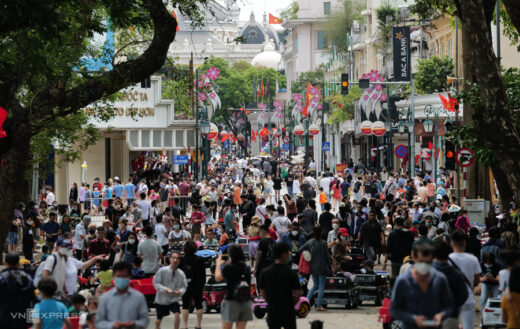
(467, 316)
(487, 291)
(289, 191)
(318, 281)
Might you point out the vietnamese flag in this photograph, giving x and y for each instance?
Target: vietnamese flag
(175, 16)
(224, 138)
(307, 100)
(262, 88)
(274, 19)
(449, 104)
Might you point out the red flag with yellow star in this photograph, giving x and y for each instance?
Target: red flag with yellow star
(274, 19)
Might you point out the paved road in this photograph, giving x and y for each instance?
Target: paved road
(365, 317)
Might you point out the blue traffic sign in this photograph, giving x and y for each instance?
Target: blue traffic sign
(181, 159)
(325, 146)
(401, 151)
(285, 147)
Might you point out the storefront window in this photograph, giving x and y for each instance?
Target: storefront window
(134, 138)
(168, 138)
(145, 138)
(179, 138)
(191, 138)
(157, 134)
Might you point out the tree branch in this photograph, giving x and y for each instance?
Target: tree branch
(513, 10)
(122, 75)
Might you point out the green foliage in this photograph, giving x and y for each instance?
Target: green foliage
(291, 12)
(384, 28)
(235, 84)
(176, 85)
(470, 137)
(508, 28)
(340, 21)
(425, 9)
(431, 74)
(342, 106)
(315, 78)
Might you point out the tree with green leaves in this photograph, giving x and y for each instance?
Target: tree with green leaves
(493, 118)
(315, 78)
(340, 22)
(291, 12)
(44, 85)
(431, 74)
(342, 106)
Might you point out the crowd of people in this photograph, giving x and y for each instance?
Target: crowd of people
(153, 225)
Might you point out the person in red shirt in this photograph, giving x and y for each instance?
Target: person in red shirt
(97, 184)
(196, 220)
(99, 245)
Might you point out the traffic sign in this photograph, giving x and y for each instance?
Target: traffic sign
(286, 139)
(401, 151)
(464, 157)
(181, 159)
(285, 147)
(325, 146)
(364, 83)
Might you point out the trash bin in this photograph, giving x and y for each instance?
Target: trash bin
(477, 210)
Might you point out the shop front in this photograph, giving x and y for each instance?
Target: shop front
(142, 131)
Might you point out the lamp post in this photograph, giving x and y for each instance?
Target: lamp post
(307, 123)
(204, 126)
(429, 126)
(406, 122)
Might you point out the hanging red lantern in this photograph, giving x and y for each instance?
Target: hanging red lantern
(241, 137)
(314, 129)
(298, 130)
(264, 132)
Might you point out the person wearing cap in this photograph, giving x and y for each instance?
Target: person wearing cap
(56, 265)
(118, 189)
(97, 184)
(80, 237)
(16, 293)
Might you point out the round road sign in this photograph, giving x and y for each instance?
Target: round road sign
(464, 157)
(401, 151)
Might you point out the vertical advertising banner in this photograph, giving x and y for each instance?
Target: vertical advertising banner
(402, 62)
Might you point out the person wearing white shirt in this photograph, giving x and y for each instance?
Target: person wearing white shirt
(80, 236)
(161, 234)
(296, 186)
(469, 265)
(325, 184)
(145, 207)
(50, 197)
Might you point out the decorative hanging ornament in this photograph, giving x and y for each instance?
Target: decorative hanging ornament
(298, 130)
(241, 137)
(264, 132)
(213, 131)
(314, 129)
(366, 127)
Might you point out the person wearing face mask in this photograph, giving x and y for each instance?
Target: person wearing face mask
(122, 307)
(294, 239)
(55, 266)
(422, 297)
(332, 235)
(29, 241)
(129, 249)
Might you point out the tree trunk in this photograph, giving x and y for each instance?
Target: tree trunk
(13, 178)
(494, 119)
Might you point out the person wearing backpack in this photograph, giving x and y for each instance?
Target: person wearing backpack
(456, 281)
(264, 255)
(237, 305)
(193, 267)
(320, 265)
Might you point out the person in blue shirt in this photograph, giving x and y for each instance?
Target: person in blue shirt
(118, 189)
(51, 231)
(96, 198)
(130, 191)
(422, 297)
(50, 313)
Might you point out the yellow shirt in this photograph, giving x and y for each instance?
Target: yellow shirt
(511, 306)
(105, 277)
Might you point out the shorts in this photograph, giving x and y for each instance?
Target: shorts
(12, 238)
(233, 311)
(195, 228)
(253, 248)
(164, 310)
(165, 249)
(192, 296)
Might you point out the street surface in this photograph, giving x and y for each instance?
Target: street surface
(364, 317)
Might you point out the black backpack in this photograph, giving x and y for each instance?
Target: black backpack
(242, 290)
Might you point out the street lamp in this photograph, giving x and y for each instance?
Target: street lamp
(430, 126)
(405, 121)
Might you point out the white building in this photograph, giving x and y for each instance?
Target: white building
(218, 36)
(143, 122)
